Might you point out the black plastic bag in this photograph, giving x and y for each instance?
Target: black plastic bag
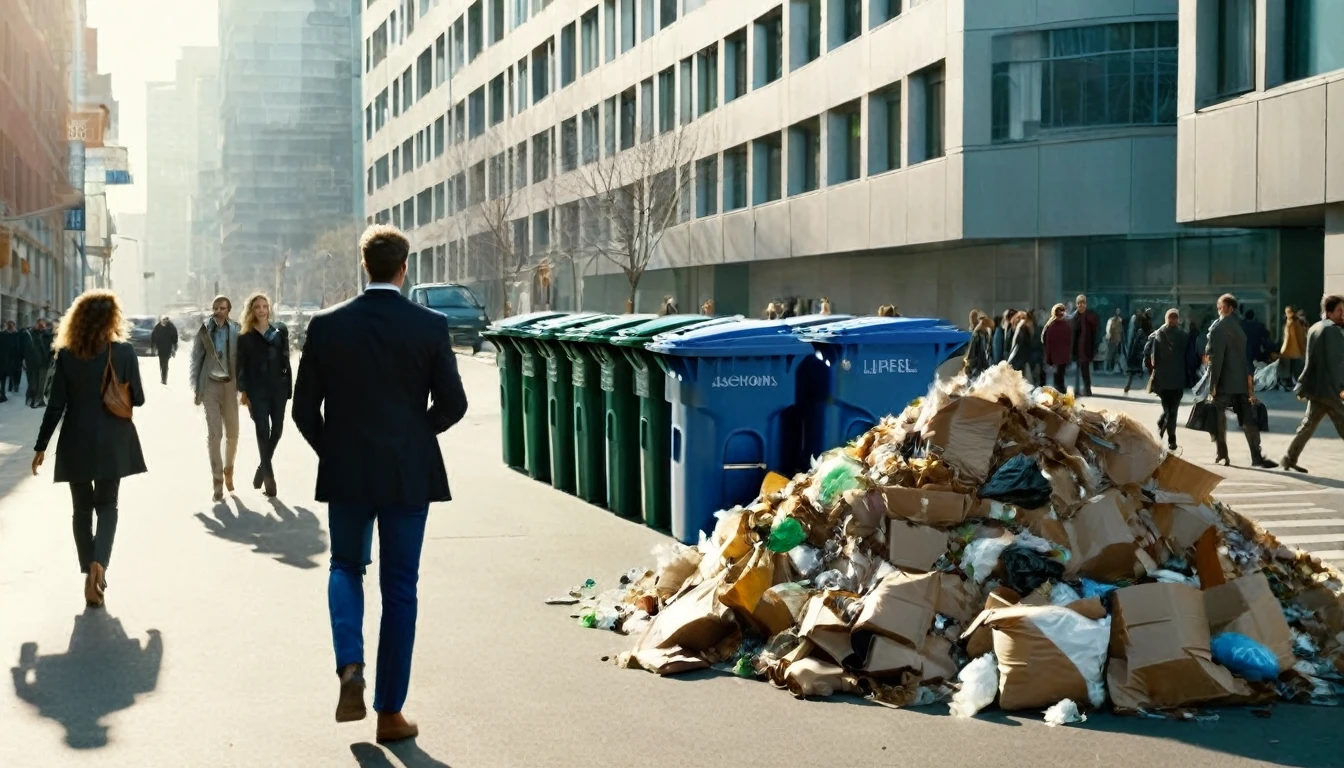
(1025, 570)
(1019, 482)
(1204, 417)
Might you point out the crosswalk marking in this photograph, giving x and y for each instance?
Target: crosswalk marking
(1300, 511)
(1262, 494)
(1330, 554)
(1317, 538)
(1231, 484)
(1314, 523)
(1268, 506)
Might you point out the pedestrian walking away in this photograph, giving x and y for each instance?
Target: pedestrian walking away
(11, 360)
(368, 368)
(94, 385)
(1085, 326)
(1321, 384)
(1022, 350)
(1166, 360)
(214, 379)
(977, 358)
(164, 340)
(264, 381)
(1057, 338)
(1115, 339)
(1230, 381)
(1140, 329)
(37, 344)
(1292, 350)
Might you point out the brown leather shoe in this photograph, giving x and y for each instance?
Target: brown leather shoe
(395, 727)
(92, 596)
(228, 478)
(269, 482)
(350, 705)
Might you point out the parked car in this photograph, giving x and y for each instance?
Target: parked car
(466, 316)
(139, 330)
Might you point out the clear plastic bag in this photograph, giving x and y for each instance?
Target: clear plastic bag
(979, 685)
(981, 556)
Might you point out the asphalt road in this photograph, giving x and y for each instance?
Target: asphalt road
(214, 648)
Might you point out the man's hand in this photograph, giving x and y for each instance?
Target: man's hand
(198, 400)
(38, 458)
(246, 402)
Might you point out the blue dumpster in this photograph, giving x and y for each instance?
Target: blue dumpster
(866, 368)
(731, 387)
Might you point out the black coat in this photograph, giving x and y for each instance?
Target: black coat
(1322, 376)
(263, 366)
(36, 348)
(164, 338)
(11, 351)
(362, 400)
(1168, 347)
(1025, 348)
(978, 353)
(94, 444)
(1228, 371)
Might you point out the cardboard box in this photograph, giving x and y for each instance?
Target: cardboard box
(902, 607)
(1059, 429)
(748, 581)
(958, 598)
(884, 657)
(940, 509)
(695, 621)
(1182, 525)
(1159, 650)
(815, 677)
(1045, 654)
(1102, 545)
(1247, 606)
(1176, 475)
(914, 547)
(780, 608)
(827, 631)
(965, 433)
(1135, 457)
(867, 513)
(938, 662)
(1045, 523)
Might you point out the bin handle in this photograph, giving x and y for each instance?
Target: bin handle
(550, 406)
(676, 443)
(644, 434)
(744, 466)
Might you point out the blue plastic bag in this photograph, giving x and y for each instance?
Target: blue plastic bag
(1245, 657)
(1096, 589)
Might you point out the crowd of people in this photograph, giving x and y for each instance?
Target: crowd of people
(26, 350)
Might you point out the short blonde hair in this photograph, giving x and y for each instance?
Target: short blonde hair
(250, 316)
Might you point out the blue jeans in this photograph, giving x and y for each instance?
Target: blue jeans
(401, 532)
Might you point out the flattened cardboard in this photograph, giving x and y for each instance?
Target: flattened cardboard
(1135, 457)
(867, 513)
(901, 607)
(958, 598)
(979, 638)
(828, 632)
(964, 433)
(938, 662)
(1177, 475)
(882, 656)
(1159, 650)
(696, 620)
(940, 509)
(1182, 524)
(1060, 430)
(733, 535)
(1208, 564)
(1044, 523)
(1247, 606)
(780, 607)
(664, 661)
(914, 547)
(815, 677)
(1102, 545)
(750, 582)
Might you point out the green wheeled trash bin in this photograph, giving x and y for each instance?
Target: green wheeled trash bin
(590, 447)
(655, 414)
(509, 362)
(557, 406)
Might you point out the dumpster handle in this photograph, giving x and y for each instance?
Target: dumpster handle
(644, 434)
(676, 443)
(744, 466)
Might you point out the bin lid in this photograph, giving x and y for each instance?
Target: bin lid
(605, 329)
(640, 335)
(743, 338)
(550, 329)
(886, 330)
(512, 326)
(807, 321)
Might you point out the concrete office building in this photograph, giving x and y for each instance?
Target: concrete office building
(1261, 132)
(941, 155)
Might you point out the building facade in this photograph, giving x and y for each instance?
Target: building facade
(941, 155)
(1261, 130)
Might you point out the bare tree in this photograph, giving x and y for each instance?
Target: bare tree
(321, 273)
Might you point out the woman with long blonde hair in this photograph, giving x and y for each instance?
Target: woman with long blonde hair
(265, 381)
(94, 385)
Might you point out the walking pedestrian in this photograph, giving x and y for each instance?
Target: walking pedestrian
(1140, 328)
(1057, 338)
(265, 381)
(1085, 326)
(1166, 359)
(1257, 339)
(1292, 349)
(1024, 341)
(164, 340)
(369, 366)
(1002, 339)
(1230, 382)
(97, 447)
(1115, 339)
(37, 346)
(214, 373)
(977, 358)
(11, 360)
(1321, 384)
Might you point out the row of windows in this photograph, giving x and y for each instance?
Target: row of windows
(1306, 40)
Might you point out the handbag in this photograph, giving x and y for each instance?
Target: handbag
(116, 394)
(1203, 417)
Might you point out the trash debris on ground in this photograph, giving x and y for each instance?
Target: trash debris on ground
(993, 542)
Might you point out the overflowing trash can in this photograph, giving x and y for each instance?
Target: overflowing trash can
(584, 346)
(655, 414)
(730, 387)
(554, 426)
(508, 359)
(864, 369)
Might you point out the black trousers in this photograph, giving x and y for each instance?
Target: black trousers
(1083, 372)
(268, 416)
(1171, 403)
(99, 496)
(37, 379)
(164, 357)
(1060, 378)
(1240, 405)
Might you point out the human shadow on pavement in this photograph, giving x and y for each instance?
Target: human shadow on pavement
(408, 752)
(290, 536)
(1293, 735)
(101, 672)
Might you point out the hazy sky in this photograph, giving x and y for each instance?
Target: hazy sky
(138, 43)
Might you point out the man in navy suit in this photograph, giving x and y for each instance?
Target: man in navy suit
(362, 400)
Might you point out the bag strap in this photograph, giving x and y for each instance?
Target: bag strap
(110, 371)
(210, 345)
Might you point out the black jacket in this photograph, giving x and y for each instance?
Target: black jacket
(11, 351)
(164, 338)
(978, 353)
(1227, 357)
(263, 366)
(362, 400)
(36, 347)
(1168, 358)
(94, 444)
(1025, 348)
(1322, 376)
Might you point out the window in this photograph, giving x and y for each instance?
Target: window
(769, 43)
(541, 231)
(509, 85)
(707, 73)
(882, 11)
(419, 148)
(1313, 37)
(846, 22)
(381, 173)
(424, 73)
(520, 175)
(646, 110)
(884, 130)
(588, 31)
(368, 183)
(497, 100)
(496, 21)
(497, 177)
(461, 193)
(767, 162)
(667, 100)
(609, 123)
(804, 156)
(440, 60)
(396, 162)
(407, 94)
(567, 54)
(408, 213)
(524, 85)
(667, 13)
(476, 187)
(368, 53)
(541, 156)
(438, 137)
(380, 44)
(804, 32)
(590, 139)
(687, 100)
(735, 178)
(459, 52)
(396, 216)
(396, 101)
(541, 71)
(609, 28)
(569, 145)
(520, 8)
(686, 200)
(627, 25)
(1066, 79)
(368, 122)
(930, 81)
(707, 186)
(476, 108)
(474, 31)
(424, 207)
(845, 137)
(1236, 47)
(408, 156)
(735, 65)
(460, 122)
(628, 118)
(648, 22)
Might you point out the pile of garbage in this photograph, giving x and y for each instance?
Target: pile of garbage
(993, 542)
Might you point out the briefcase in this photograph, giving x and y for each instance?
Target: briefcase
(1204, 417)
(1261, 416)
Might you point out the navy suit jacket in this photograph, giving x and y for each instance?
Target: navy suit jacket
(362, 400)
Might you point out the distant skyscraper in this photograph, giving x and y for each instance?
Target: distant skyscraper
(287, 83)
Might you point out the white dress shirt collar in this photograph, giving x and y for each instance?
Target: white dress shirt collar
(381, 287)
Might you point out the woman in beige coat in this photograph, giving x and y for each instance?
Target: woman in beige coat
(1293, 350)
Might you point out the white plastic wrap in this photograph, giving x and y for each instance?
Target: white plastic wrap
(981, 556)
(1083, 640)
(979, 685)
(1063, 713)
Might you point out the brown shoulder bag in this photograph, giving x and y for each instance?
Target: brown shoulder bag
(116, 395)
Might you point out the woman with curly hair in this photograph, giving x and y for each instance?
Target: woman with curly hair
(97, 447)
(265, 380)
